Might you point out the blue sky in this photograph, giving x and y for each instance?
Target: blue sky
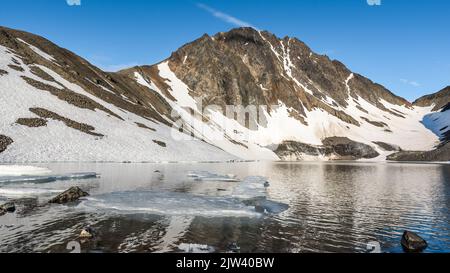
(402, 44)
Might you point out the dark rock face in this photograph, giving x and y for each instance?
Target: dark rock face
(87, 233)
(8, 207)
(411, 242)
(160, 143)
(338, 147)
(32, 122)
(71, 195)
(446, 107)
(387, 147)
(441, 99)
(4, 142)
(442, 153)
(345, 147)
(85, 128)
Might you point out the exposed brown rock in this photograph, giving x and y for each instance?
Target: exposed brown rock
(160, 143)
(16, 67)
(85, 128)
(3, 72)
(41, 74)
(339, 148)
(375, 123)
(71, 195)
(440, 99)
(4, 142)
(442, 153)
(411, 242)
(387, 147)
(69, 96)
(144, 126)
(32, 122)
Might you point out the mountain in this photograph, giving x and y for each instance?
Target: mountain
(437, 121)
(289, 103)
(55, 106)
(438, 100)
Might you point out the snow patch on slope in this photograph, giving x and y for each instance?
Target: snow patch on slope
(38, 51)
(123, 141)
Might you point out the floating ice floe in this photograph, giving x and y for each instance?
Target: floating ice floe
(26, 192)
(47, 179)
(208, 176)
(14, 170)
(170, 203)
(247, 200)
(196, 248)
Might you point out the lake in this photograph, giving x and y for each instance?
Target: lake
(330, 207)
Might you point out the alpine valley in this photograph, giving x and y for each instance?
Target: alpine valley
(57, 107)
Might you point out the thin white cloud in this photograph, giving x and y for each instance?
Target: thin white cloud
(73, 2)
(225, 17)
(413, 83)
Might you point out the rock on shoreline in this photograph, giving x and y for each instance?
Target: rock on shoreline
(71, 195)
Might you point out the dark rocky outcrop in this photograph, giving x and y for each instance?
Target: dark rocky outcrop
(160, 143)
(339, 148)
(71, 195)
(4, 142)
(7, 208)
(349, 149)
(3, 72)
(85, 128)
(387, 147)
(411, 242)
(442, 153)
(32, 122)
(87, 233)
(16, 67)
(440, 99)
(144, 126)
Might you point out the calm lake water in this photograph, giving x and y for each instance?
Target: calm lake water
(333, 207)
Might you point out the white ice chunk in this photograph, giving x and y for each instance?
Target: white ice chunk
(207, 176)
(16, 170)
(47, 179)
(196, 248)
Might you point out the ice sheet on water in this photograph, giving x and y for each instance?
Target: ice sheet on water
(15, 170)
(170, 203)
(26, 192)
(208, 176)
(196, 248)
(46, 179)
(250, 188)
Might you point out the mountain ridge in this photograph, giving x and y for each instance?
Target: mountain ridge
(309, 98)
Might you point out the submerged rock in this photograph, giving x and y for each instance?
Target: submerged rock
(411, 242)
(71, 195)
(234, 247)
(8, 207)
(87, 233)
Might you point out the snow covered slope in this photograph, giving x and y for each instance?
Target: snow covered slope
(50, 118)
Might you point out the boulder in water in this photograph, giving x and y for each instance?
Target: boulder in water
(87, 233)
(71, 195)
(411, 242)
(8, 207)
